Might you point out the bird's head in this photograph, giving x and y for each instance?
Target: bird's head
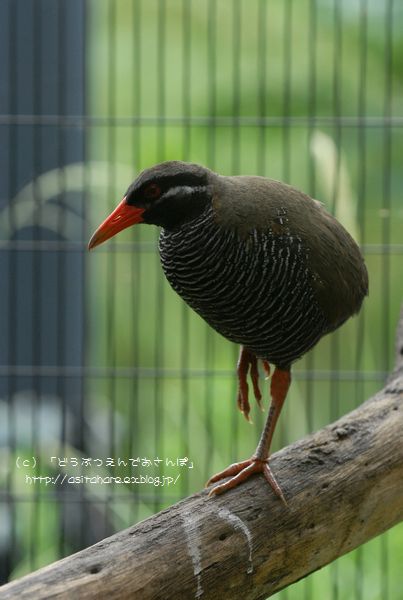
(167, 194)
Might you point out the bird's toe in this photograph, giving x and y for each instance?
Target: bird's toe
(240, 472)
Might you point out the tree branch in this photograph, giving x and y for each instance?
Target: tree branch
(344, 485)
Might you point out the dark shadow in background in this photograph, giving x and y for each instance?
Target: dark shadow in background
(42, 79)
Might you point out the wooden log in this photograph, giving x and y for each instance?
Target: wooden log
(344, 485)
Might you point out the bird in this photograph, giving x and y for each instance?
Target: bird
(264, 264)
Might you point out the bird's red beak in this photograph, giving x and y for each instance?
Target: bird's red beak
(123, 216)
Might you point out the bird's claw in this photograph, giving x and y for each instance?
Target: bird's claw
(243, 400)
(240, 472)
(247, 363)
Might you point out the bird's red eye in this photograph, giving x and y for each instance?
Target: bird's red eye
(152, 191)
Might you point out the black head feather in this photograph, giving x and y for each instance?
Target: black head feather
(171, 192)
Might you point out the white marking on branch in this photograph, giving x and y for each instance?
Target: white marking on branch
(192, 541)
(224, 513)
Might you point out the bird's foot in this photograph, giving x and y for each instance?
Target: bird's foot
(240, 472)
(247, 363)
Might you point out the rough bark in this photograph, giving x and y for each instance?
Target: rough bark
(344, 485)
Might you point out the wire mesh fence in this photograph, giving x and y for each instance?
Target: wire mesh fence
(104, 372)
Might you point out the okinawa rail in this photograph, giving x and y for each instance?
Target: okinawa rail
(263, 263)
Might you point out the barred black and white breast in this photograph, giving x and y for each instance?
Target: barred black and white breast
(254, 289)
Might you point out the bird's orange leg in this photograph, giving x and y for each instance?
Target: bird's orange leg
(248, 361)
(259, 463)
